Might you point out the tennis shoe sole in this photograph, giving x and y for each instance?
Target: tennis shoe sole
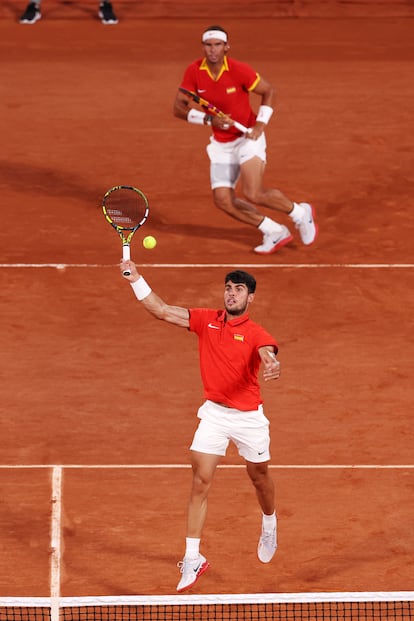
(193, 579)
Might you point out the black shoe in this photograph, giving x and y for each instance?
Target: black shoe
(107, 14)
(31, 15)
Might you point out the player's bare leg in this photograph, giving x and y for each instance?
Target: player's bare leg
(302, 214)
(237, 208)
(251, 177)
(263, 484)
(265, 491)
(274, 234)
(195, 564)
(204, 466)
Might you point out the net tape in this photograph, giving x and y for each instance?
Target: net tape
(358, 606)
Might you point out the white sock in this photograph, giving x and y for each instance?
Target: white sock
(269, 522)
(269, 226)
(297, 213)
(192, 547)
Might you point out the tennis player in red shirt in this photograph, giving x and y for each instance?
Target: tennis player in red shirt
(227, 83)
(231, 349)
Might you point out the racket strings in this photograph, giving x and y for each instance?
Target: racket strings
(126, 208)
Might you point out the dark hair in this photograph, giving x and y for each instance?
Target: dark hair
(217, 28)
(240, 277)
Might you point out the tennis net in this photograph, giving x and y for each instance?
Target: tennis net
(356, 606)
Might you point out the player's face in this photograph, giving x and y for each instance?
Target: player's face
(236, 298)
(214, 50)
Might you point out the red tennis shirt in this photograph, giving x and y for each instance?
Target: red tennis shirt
(229, 92)
(229, 357)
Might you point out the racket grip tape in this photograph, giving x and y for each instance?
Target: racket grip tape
(242, 128)
(126, 255)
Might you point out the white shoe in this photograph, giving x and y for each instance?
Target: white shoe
(274, 241)
(267, 546)
(191, 570)
(307, 227)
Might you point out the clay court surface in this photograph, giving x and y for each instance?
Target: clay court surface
(89, 382)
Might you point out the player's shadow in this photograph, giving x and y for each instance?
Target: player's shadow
(42, 181)
(203, 231)
(39, 182)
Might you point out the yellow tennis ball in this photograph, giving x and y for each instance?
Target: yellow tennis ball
(149, 242)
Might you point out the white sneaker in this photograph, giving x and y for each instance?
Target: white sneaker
(274, 241)
(267, 546)
(307, 227)
(191, 570)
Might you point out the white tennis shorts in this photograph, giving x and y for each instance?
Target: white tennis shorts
(227, 157)
(219, 425)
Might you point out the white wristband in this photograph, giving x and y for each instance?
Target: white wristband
(196, 116)
(264, 114)
(141, 288)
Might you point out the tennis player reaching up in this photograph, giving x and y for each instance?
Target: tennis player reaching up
(231, 349)
(226, 83)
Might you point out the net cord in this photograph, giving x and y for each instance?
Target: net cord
(213, 599)
(55, 542)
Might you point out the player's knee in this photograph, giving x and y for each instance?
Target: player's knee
(252, 196)
(263, 485)
(201, 483)
(258, 473)
(223, 203)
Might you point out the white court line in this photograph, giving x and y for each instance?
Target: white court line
(218, 265)
(223, 466)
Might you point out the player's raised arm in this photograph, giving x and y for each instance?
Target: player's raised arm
(151, 301)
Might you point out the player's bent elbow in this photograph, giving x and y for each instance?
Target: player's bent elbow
(179, 113)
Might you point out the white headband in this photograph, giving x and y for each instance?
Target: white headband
(214, 34)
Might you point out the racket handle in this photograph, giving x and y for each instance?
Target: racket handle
(242, 128)
(126, 255)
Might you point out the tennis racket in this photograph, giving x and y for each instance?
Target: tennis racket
(126, 209)
(212, 109)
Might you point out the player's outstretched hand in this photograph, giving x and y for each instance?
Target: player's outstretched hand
(129, 266)
(271, 366)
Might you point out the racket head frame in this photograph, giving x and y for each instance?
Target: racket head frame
(125, 232)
